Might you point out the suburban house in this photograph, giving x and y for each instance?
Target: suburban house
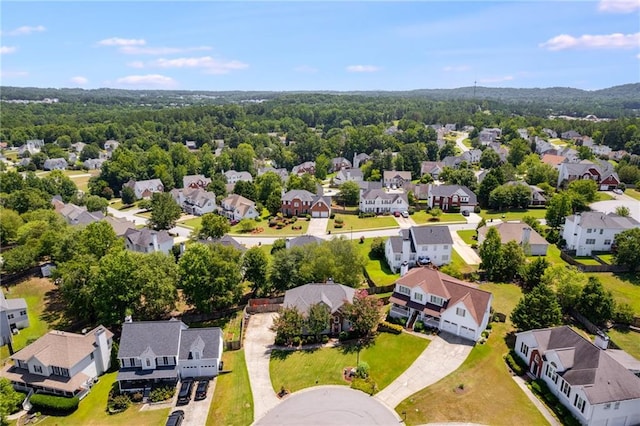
(348, 175)
(531, 242)
(146, 240)
(165, 351)
(584, 376)
(452, 161)
(391, 178)
(488, 135)
(553, 160)
(543, 146)
(538, 197)
(471, 156)
(441, 301)
(451, 197)
(30, 147)
(55, 164)
(77, 147)
(72, 158)
(333, 296)
(571, 134)
(195, 201)
(226, 240)
(195, 181)
(282, 173)
(76, 215)
(306, 167)
(419, 245)
(550, 133)
(110, 146)
(144, 189)
(192, 145)
(93, 163)
(61, 363)
(120, 225)
(340, 163)
(594, 231)
(300, 202)
(601, 172)
(235, 207)
(601, 150)
(302, 240)
(433, 168)
(383, 201)
(233, 177)
(360, 159)
(13, 315)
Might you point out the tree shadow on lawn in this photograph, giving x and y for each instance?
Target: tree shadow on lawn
(629, 277)
(356, 345)
(54, 313)
(283, 354)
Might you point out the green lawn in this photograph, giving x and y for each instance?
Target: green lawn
(116, 203)
(359, 224)
(467, 143)
(232, 401)
(467, 236)
(514, 214)
(274, 232)
(633, 193)
(627, 340)
(388, 357)
(553, 255)
(93, 410)
(625, 287)
(378, 270)
(587, 260)
(459, 264)
(422, 217)
(607, 258)
(230, 325)
(490, 396)
(191, 223)
(39, 294)
(603, 196)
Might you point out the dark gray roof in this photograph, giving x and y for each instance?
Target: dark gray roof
(304, 240)
(396, 244)
(431, 235)
(449, 190)
(332, 295)
(163, 337)
(209, 338)
(144, 237)
(368, 185)
(301, 194)
(599, 220)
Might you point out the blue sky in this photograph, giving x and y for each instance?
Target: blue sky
(331, 45)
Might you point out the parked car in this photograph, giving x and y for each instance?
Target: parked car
(184, 396)
(175, 418)
(617, 191)
(465, 212)
(201, 390)
(405, 214)
(396, 214)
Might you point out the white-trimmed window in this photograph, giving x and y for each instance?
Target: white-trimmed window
(460, 312)
(565, 388)
(607, 242)
(436, 300)
(417, 296)
(607, 406)
(589, 230)
(591, 241)
(578, 402)
(404, 290)
(616, 405)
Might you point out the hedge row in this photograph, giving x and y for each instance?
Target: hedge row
(61, 404)
(390, 328)
(515, 363)
(541, 390)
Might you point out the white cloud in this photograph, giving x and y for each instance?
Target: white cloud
(13, 74)
(305, 69)
(135, 64)
(362, 68)
(147, 80)
(79, 80)
(206, 63)
(587, 41)
(496, 79)
(456, 68)
(7, 49)
(117, 41)
(618, 6)
(137, 50)
(638, 56)
(25, 30)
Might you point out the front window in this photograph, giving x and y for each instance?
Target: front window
(436, 300)
(565, 388)
(607, 242)
(418, 296)
(460, 312)
(591, 241)
(578, 402)
(404, 290)
(524, 349)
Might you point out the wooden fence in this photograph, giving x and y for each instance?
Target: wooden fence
(592, 268)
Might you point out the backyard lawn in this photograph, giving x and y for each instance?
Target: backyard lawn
(232, 401)
(627, 340)
(191, 223)
(93, 410)
(467, 236)
(625, 287)
(633, 193)
(422, 217)
(358, 224)
(378, 270)
(488, 395)
(514, 214)
(388, 357)
(37, 292)
(459, 264)
(607, 258)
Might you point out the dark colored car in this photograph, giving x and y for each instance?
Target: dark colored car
(201, 390)
(175, 418)
(184, 396)
(465, 212)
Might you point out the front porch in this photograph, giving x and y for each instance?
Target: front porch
(399, 311)
(137, 379)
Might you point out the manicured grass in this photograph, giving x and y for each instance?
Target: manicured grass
(467, 143)
(81, 179)
(422, 217)
(625, 287)
(117, 204)
(40, 295)
(587, 260)
(489, 396)
(627, 340)
(467, 236)
(378, 270)
(633, 193)
(93, 410)
(553, 256)
(146, 215)
(271, 232)
(514, 214)
(230, 325)
(607, 258)
(603, 196)
(232, 401)
(359, 224)
(457, 262)
(388, 357)
(191, 223)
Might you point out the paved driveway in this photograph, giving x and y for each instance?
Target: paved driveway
(330, 405)
(444, 355)
(620, 200)
(196, 412)
(257, 351)
(465, 251)
(318, 227)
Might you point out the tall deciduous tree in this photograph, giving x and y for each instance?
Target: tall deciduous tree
(255, 264)
(128, 196)
(532, 273)
(558, 208)
(164, 211)
(585, 188)
(596, 303)
(537, 309)
(350, 193)
(10, 400)
(628, 248)
(567, 282)
(212, 226)
(490, 253)
(364, 314)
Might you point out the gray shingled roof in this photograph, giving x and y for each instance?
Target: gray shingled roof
(449, 190)
(431, 235)
(396, 244)
(332, 295)
(301, 194)
(304, 240)
(163, 337)
(599, 220)
(210, 337)
(381, 193)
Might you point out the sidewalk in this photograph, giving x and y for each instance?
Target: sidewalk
(534, 399)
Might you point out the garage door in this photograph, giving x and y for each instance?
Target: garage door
(449, 326)
(319, 214)
(467, 332)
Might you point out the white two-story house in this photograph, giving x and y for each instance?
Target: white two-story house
(586, 379)
(587, 232)
(236, 207)
(441, 301)
(381, 201)
(61, 363)
(419, 245)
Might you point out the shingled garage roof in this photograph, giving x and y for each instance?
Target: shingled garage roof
(209, 338)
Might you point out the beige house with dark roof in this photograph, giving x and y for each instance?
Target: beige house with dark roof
(61, 363)
(532, 243)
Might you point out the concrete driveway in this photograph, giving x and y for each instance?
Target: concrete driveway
(330, 405)
(257, 350)
(620, 200)
(196, 412)
(462, 136)
(405, 222)
(318, 227)
(444, 355)
(465, 251)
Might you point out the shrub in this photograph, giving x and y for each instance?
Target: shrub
(362, 371)
(308, 217)
(515, 363)
(332, 216)
(325, 339)
(296, 341)
(273, 222)
(477, 209)
(339, 220)
(294, 219)
(485, 334)
(489, 326)
(623, 314)
(120, 403)
(419, 326)
(136, 397)
(57, 404)
(541, 390)
(377, 248)
(390, 328)
(162, 393)
(258, 219)
(280, 225)
(338, 225)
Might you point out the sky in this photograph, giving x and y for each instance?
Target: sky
(328, 45)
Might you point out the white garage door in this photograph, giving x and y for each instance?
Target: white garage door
(449, 326)
(467, 332)
(319, 214)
